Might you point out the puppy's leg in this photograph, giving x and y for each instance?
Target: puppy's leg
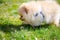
(57, 18)
(56, 22)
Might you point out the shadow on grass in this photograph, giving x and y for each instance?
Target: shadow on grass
(10, 27)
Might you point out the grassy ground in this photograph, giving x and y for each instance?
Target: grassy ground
(11, 27)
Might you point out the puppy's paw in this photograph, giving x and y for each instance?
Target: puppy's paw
(57, 23)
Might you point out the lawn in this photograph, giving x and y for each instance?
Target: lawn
(11, 27)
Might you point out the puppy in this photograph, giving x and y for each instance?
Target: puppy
(36, 13)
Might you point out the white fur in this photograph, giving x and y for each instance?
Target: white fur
(51, 12)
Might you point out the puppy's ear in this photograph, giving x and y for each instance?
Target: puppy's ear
(23, 9)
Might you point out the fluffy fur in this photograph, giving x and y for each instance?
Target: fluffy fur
(50, 11)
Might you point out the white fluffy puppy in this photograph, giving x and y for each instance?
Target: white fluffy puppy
(37, 12)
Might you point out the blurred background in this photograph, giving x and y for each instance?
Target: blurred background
(10, 28)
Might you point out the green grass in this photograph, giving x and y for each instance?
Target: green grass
(11, 27)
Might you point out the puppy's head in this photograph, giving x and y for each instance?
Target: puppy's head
(31, 13)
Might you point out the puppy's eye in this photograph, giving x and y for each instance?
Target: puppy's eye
(21, 16)
(36, 14)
